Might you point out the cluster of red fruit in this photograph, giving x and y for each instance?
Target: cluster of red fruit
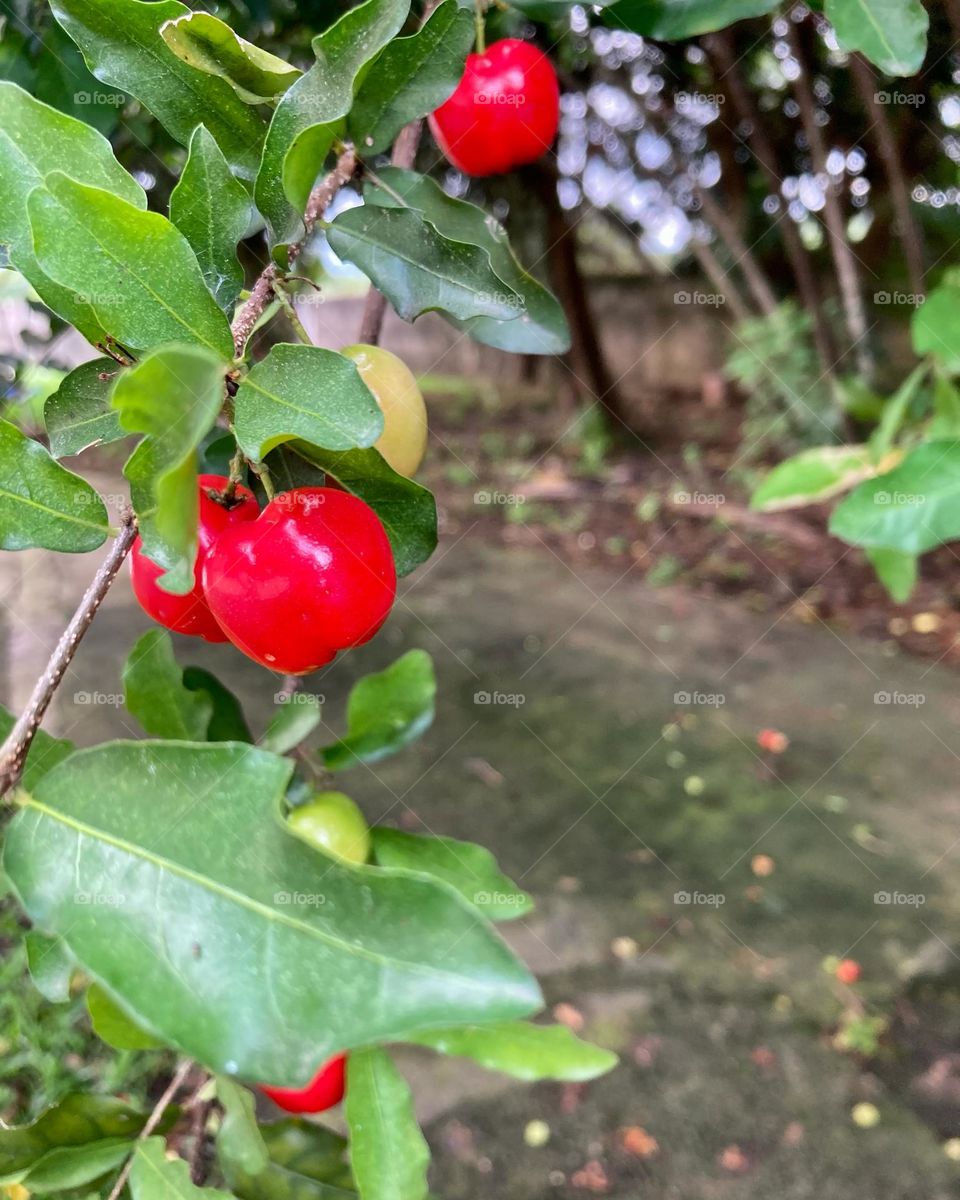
(504, 112)
(310, 575)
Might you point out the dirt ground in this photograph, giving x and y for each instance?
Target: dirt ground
(671, 506)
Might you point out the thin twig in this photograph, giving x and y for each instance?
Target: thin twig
(151, 1123)
(263, 292)
(291, 313)
(13, 752)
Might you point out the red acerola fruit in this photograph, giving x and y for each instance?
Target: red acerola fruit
(848, 970)
(322, 1092)
(504, 112)
(189, 613)
(313, 574)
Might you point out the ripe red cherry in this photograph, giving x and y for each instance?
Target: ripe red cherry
(504, 112)
(322, 1092)
(313, 574)
(189, 613)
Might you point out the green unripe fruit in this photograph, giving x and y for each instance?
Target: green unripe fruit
(403, 442)
(332, 822)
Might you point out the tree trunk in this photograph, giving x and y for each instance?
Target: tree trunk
(908, 229)
(721, 50)
(586, 360)
(844, 260)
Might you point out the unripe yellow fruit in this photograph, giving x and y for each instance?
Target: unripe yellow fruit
(332, 822)
(403, 442)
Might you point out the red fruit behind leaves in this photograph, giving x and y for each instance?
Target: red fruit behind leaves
(190, 614)
(504, 112)
(322, 1092)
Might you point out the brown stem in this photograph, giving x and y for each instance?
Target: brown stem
(721, 49)
(13, 752)
(720, 279)
(263, 293)
(151, 1123)
(728, 233)
(910, 236)
(844, 262)
(404, 154)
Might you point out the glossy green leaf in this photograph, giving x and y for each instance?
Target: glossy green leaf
(293, 720)
(214, 929)
(385, 711)
(227, 721)
(388, 1152)
(469, 868)
(945, 424)
(51, 967)
(934, 325)
(154, 691)
(239, 1138)
(310, 114)
(44, 754)
(896, 570)
(36, 140)
(912, 508)
(304, 392)
(418, 269)
(153, 1176)
(78, 414)
(77, 1120)
(812, 476)
(525, 1051)
(67, 1168)
(212, 210)
(891, 33)
(135, 270)
(206, 43)
(895, 412)
(542, 327)
(112, 1025)
(173, 396)
(44, 504)
(413, 76)
(122, 46)
(408, 511)
(307, 1162)
(674, 20)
